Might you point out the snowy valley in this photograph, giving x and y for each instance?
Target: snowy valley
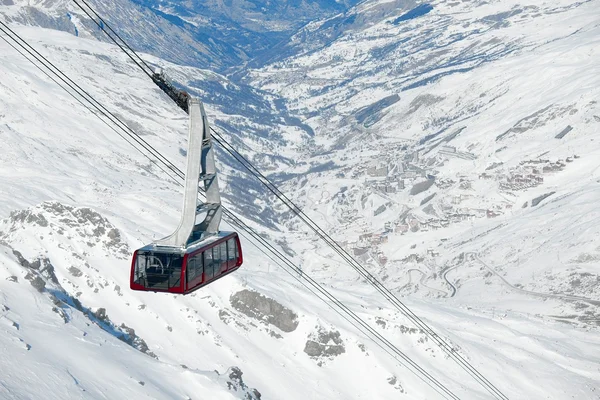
(451, 147)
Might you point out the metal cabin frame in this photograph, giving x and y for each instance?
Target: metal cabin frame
(200, 168)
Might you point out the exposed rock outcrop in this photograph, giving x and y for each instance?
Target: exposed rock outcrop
(264, 309)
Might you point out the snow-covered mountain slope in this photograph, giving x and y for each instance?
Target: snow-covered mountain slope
(53, 348)
(252, 26)
(459, 151)
(239, 112)
(207, 34)
(78, 260)
(56, 151)
(443, 130)
(76, 200)
(254, 15)
(384, 48)
(144, 29)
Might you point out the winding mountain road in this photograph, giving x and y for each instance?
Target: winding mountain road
(421, 281)
(452, 286)
(530, 292)
(475, 257)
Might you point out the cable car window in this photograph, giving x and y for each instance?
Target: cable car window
(231, 250)
(223, 259)
(190, 269)
(223, 247)
(158, 270)
(140, 269)
(208, 264)
(194, 267)
(174, 269)
(216, 260)
(199, 264)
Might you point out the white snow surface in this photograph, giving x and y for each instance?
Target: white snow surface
(499, 289)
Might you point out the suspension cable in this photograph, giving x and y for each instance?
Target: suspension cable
(102, 24)
(381, 341)
(368, 276)
(78, 99)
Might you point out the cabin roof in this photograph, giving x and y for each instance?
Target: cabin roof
(182, 250)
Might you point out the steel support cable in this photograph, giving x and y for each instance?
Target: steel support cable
(381, 341)
(115, 33)
(297, 277)
(84, 105)
(84, 94)
(447, 348)
(378, 285)
(332, 299)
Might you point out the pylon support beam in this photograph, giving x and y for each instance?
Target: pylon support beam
(200, 170)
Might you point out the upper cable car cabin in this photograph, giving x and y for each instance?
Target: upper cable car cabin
(182, 271)
(197, 253)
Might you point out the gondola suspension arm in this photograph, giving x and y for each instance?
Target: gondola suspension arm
(200, 170)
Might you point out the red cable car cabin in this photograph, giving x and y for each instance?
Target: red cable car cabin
(164, 269)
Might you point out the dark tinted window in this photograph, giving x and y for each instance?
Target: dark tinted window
(223, 259)
(158, 270)
(190, 269)
(223, 247)
(208, 264)
(140, 269)
(216, 254)
(199, 264)
(216, 259)
(195, 267)
(231, 249)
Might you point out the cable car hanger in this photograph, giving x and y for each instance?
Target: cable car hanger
(200, 167)
(196, 253)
